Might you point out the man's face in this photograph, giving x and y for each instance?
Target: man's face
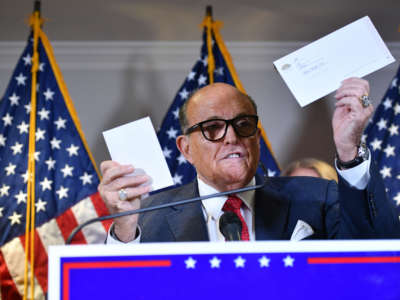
(228, 163)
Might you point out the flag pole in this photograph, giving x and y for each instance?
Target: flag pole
(35, 23)
(208, 23)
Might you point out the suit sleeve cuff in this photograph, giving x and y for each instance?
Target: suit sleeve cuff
(358, 176)
(112, 238)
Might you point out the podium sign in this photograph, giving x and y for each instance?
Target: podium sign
(366, 269)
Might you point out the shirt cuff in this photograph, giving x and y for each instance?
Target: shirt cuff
(112, 239)
(358, 176)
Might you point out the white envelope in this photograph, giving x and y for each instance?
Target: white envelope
(318, 69)
(136, 143)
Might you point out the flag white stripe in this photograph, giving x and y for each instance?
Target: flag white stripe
(83, 211)
(50, 234)
(14, 254)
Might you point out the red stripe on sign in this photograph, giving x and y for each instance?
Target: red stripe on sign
(67, 222)
(101, 209)
(353, 260)
(106, 264)
(8, 290)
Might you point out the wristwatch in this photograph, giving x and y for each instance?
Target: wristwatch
(362, 155)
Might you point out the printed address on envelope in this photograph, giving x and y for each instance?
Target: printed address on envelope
(136, 143)
(318, 68)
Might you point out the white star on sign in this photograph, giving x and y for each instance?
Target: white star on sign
(50, 163)
(387, 103)
(176, 113)
(4, 190)
(23, 127)
(60, 123)
(177, 179)
(44, 114)
(215, 262)
(184, 94)
(15, 218)
(7, 119)
(40, 205)
(14, 99)
(40, 134)
(67, 170)
(393, 130)
(86, 178)
(48, 94)
(202, 80)
(21, 79)
(62, 192)
(389, 150)
(27, 59)
(21, 197)
(396, 109)
(386, 172)
(191, 76)
(55, 143)
(288, 261)
(239, 262)
(190, 263)
(382, 124)
(46, 184)
(167, 152)
(376, 144)
(2, 140)
(73, 150)
(264, 262)
(10, 169)
(172, 133)
(17, 148)
(181, 159)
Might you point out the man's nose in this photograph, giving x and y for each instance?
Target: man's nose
(231, 136)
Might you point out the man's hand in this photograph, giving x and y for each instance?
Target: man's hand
(113, 181)
(350, 117)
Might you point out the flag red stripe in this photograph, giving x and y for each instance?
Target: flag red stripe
(101, 209)
(67, 222)
(7, 286)
(353, 260)
(40, 270)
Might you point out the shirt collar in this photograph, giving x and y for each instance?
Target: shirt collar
(213, 206)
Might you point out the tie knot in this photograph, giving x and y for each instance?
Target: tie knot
(233, 203)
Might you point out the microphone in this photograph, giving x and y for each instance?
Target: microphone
(230, 226)
(176, 203)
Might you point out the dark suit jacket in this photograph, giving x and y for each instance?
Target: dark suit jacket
(334, 211)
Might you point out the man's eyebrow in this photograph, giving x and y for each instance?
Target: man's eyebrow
(221, 118)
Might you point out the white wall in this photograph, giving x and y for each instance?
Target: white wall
(112, 83)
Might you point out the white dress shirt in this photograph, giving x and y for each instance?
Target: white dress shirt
(358, 177)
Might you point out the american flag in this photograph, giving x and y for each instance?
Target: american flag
(182, 171)
(66, 178)
(382, 137)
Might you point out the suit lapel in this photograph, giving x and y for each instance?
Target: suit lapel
(186, 222)
(271, 212)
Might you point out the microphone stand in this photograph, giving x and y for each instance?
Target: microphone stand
(176, 203)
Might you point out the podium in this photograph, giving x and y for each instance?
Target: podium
(362, 269)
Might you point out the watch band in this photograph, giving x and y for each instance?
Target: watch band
(362, 155)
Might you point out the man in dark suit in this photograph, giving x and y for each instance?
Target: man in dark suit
(221, 140)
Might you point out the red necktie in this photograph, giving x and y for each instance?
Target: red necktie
(233, 204)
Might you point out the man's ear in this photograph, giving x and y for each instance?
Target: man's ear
(182, 142)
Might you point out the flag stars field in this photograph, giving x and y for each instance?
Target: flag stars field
(60, 123)
(386, 172)
(40, 205)
(86, 178)
(21, 197)
(48, 94)
(14, 99)
(73, 150)
(167, 152)
(15, 218)
(172, 133)
(67, 170)
(21, 79)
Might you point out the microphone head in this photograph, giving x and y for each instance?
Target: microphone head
(230, 226)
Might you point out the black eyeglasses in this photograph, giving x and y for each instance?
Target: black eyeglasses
(215, 129)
